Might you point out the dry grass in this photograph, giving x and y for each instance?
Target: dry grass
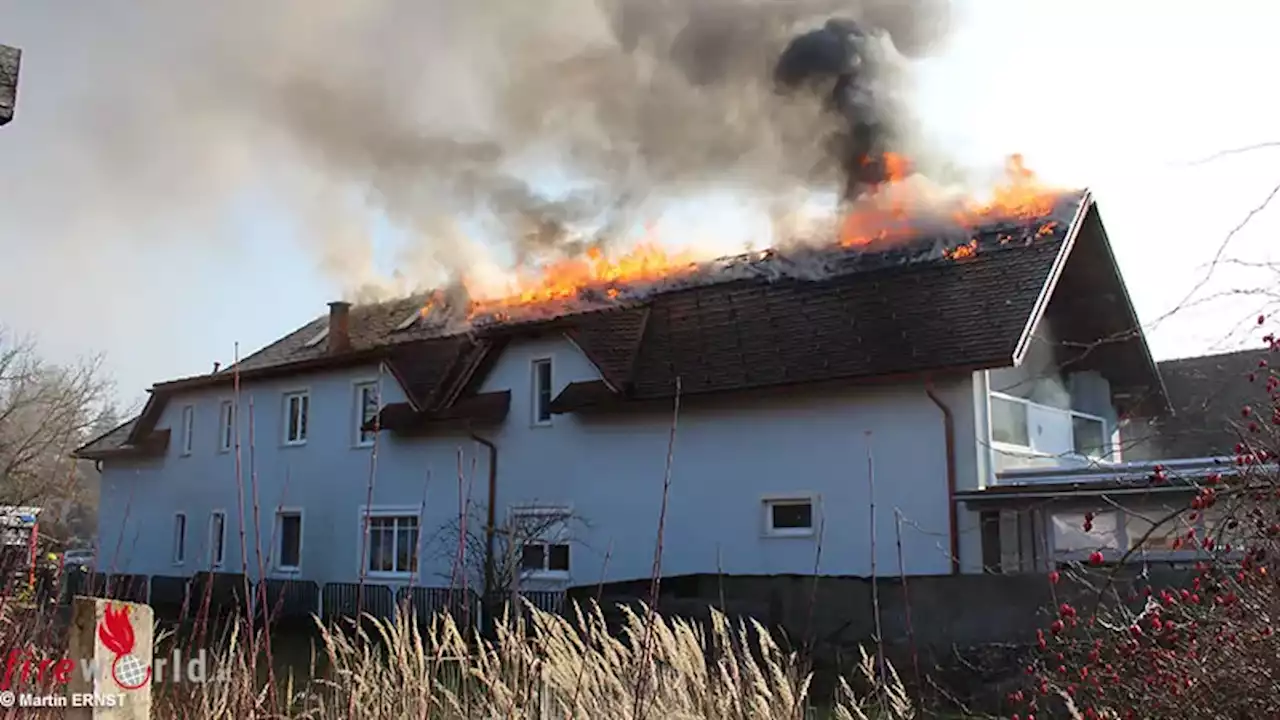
(547, 666)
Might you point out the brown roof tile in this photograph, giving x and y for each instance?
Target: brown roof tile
(903, 311)
(1207, 394)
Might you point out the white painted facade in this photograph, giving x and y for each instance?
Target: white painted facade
(869, 460)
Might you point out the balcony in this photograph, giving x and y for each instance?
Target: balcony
(1028, 435)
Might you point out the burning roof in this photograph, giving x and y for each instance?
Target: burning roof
(578, 290)
(920, 305)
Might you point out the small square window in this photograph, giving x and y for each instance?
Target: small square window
(788, 517)
(542, 535)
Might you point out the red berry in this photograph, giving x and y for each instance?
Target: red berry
(1095, 557)
(1054, 577)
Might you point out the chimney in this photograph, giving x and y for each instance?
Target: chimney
(339, 326)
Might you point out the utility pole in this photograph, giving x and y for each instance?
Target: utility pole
(10, 59)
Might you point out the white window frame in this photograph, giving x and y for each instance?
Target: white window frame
(562, 536)
(226, 426)
(218, 551)
(304, 427)
(278, 554)
(1026, 450)
(179, 540)
(358, 389)
(768, 502)
(536, 391)
(188, 428)
(364, 540)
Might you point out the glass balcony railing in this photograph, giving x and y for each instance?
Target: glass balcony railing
(1028, 434)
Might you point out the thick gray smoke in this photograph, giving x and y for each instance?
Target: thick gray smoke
(539, 126)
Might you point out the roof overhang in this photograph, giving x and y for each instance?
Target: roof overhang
(154, 444)
(1088, 305)
(474, 410)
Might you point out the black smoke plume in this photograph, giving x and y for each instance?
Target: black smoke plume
(444, 119)
(834, 59)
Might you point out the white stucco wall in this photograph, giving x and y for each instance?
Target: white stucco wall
(729, 454)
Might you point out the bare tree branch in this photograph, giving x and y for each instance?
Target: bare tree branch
(48, 410)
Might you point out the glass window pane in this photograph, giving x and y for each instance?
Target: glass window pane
(1009, 422)
(544, 390)
(1088, 436)
(382, 550)
(558, 558)
(179, 538)
(792, 515)
(302, 422)
(406, 547)
(1139, 521)
(533, 556)
(292, 433)
(290, 540)
(1069, 534)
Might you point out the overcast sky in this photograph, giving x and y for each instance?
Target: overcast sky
(1123, 97)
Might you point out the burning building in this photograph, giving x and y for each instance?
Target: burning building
(900, 344)
(10, 60)
(885, 369)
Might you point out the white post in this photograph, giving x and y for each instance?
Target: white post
(113, 641)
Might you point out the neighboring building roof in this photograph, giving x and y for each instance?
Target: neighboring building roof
(1207, 395)
(906, 311)
(10, 59)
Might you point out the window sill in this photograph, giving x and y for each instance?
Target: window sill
(290, 571)
(544, 575)
(387, 575)
(294, 444)
(1023, 451)
(362, 446)
(546, 424)
(789, 534)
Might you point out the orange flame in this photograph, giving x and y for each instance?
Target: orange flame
(892, 214)
(565, 279)
(1020, 196)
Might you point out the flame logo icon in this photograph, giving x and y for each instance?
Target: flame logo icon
(116, 633)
